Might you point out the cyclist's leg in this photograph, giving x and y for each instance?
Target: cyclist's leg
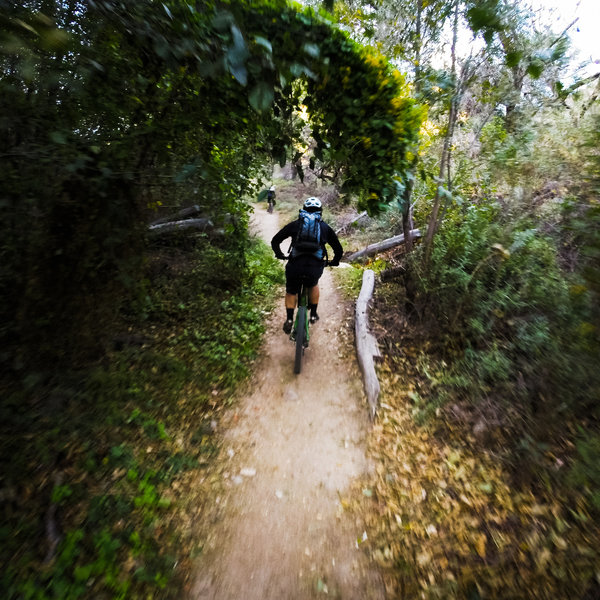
(313, 291)
(292, 287)
(313, 301)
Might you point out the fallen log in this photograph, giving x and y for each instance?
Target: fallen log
(182, 214)
(384, 245)
(53, 532)
(366, 344)
(200, 224)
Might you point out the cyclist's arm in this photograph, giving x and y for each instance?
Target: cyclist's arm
(332, 239)
(281, 235)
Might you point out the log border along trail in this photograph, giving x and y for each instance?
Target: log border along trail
(295, 445)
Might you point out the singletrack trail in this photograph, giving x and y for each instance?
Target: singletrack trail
(295, 444)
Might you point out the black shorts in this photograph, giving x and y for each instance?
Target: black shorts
(304, 269)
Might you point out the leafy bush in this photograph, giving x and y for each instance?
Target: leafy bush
(499, 301)
(116, 110)
(101, 447)
(585, 471)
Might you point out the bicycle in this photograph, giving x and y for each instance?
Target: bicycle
(270, 204)
(300, 331)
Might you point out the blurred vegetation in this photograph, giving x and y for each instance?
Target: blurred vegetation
(103, 464)
(490, 328)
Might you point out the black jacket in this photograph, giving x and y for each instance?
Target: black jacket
(328, 236)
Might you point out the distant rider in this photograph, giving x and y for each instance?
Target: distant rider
(271, 199)
(302, 265)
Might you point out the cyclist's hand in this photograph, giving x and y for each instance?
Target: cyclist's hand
(280, 256)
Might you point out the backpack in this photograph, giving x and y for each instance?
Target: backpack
(308, 238)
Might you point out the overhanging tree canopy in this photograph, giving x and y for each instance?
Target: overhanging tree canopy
(111, 109)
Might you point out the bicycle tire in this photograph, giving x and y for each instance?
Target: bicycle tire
(300, 333)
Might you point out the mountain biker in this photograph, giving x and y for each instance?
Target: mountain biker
(271, 198)
(307, 266)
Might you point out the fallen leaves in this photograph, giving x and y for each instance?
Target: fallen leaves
(444, 522)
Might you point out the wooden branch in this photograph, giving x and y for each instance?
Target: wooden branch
(200, 224)
(562, 35)
(354, 221)
(366, 344)
(53, 533)
(384, 245)
(182, 214)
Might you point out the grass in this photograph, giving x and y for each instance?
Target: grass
(349, 279)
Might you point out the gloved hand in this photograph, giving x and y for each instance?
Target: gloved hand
(334, 263)
(280, 256)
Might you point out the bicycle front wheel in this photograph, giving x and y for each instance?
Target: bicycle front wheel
(300, 334)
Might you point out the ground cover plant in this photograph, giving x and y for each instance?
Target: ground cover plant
(104, 464)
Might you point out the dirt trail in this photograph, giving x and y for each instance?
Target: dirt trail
(295, 444)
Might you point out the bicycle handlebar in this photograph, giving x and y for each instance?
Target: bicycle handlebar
(326, 261)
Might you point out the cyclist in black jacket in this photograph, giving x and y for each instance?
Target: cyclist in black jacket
(305, 266)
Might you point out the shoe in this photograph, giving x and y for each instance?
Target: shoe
(314, 318)
(287, 326)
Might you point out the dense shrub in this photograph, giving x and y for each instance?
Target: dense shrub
(513, 323)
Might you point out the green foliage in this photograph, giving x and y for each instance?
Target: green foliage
(585, 222)
(124, 432)
(114, 111)
(484, 16)
(375, 125)
(505, 312)
(412, 39)
(585, 470)
(219, 355)
(350, 280)
(362, 118)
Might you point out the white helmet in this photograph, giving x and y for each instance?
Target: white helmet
(272, 188)
(312, 204)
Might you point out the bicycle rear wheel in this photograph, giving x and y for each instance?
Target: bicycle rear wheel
(300, 334)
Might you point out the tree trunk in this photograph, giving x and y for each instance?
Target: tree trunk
(183, 213)
(351, 223)
(383, 245)
(407, 224)
(418, 48)
(446, 149)
(200, 224)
